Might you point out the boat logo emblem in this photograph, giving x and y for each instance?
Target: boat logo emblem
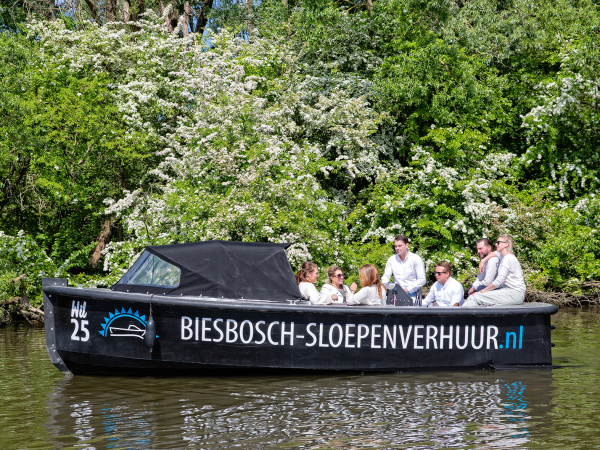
(124, 323)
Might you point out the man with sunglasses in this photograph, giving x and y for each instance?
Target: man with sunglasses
(490, 261)
(406, 267)
(446, 291)
(508, 288)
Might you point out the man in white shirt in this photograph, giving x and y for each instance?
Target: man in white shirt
(484, 249)
(446, 291)
(406, 267)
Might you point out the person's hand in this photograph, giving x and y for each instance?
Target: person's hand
(471, 291)
(334, 297)
(406, 290)
(353, 287)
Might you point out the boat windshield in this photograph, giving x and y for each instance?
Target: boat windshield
(150, 270)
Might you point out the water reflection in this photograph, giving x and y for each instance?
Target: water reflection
(424, 410)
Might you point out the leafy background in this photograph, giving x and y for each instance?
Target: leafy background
(330, 125)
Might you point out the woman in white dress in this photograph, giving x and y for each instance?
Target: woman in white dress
(373, 292)
(306, 277)
(335, 286)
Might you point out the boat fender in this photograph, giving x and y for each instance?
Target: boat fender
(150, 336)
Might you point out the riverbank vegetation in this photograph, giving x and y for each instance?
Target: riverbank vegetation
(331, 125)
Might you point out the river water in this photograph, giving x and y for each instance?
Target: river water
(553, 408)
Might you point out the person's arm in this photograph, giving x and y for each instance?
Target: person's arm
(387, 273)
(486, 259)
(419, 270)
(457, 295)
(311, 293)
(430, 297)
(490, 274)
(329, 289)
(491, 270)
(360, 298)
(503, 271)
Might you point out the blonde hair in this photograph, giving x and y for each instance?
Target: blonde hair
(509, 240)
(369, 276)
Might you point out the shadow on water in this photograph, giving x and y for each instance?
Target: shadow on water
(443, 410)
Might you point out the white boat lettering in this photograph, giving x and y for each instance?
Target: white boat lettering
(264, 338)
(314, 341)
(363, 332)
(336, 335)
(374, 336)
(432, 333)
(78, 313)
(231, 331)
(418, 336)
(336, 328)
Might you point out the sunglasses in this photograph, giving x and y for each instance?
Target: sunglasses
(500, 242)
(340, 275)
(437, 274)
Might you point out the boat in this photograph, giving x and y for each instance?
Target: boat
(235, 308)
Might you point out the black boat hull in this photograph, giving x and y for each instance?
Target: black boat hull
(97, 331)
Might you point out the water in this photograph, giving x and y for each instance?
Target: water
(470, 410)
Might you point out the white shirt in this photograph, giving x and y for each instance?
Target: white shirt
(330, 289)
(409, 274)
(510, 274)
(310, 293)
(445, 295)
(367, 296)
(489, 273)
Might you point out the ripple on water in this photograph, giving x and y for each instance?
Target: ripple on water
(479, 409)
(432, 410)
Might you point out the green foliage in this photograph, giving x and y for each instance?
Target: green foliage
(331, 128)
(572, 254)
(22, 255)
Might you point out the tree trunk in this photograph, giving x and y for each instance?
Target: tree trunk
(103, 240)
(94, 12)
(187, 17)
(51, 14)
(250, 18)
(139, 7)
(126, 13)
(203, 17)
(110, 12)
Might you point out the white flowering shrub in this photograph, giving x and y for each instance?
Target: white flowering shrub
(562, 133)
(245, 147)
(336, 130)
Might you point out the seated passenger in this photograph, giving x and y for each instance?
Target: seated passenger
(446, 291)
(508, 288)
(306, 277)
(488, 268)
(372, 292)
(335, 286)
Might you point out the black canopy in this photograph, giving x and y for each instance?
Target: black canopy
(251, 270)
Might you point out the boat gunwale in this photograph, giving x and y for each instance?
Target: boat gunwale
(298, 306)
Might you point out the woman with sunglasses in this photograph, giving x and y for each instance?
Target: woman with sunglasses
(508, 288)
(335, 286)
